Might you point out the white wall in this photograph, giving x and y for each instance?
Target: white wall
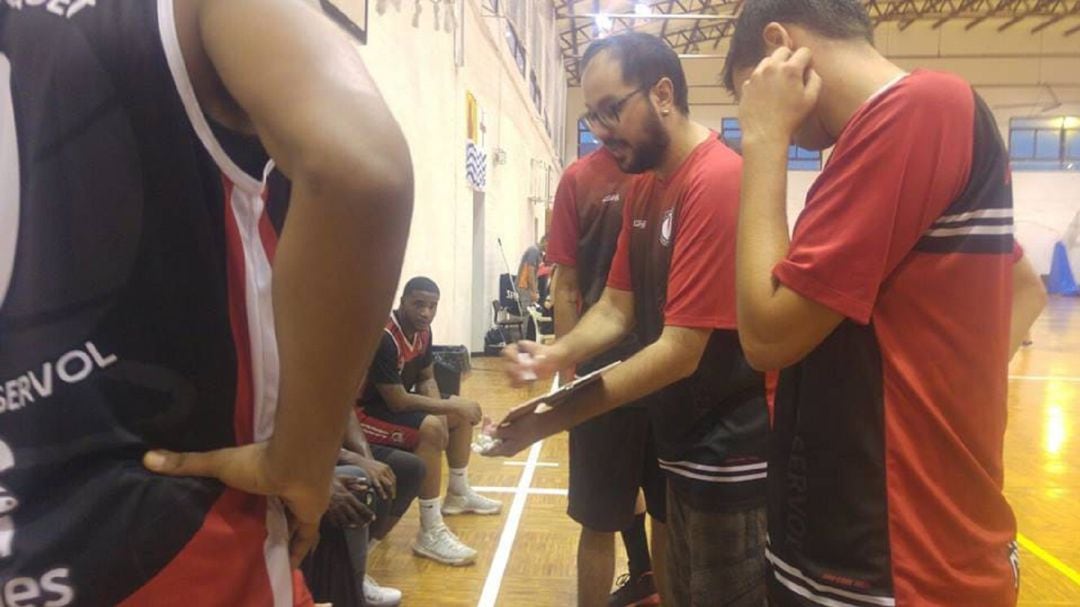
(1018, 73)
(415, 70)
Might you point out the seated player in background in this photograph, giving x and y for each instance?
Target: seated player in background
(400, 406)
(395, 476)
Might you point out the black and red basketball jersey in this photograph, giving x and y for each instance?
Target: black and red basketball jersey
(399, 360)
(676, 254)
(135, 312)
(885, 471)
(585, 225)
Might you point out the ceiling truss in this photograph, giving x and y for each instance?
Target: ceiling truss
(703, 36)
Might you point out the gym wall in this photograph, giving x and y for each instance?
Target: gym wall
(415, 69)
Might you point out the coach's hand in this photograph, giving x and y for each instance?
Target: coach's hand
(248, 469)
(528, 361)
(522, 431)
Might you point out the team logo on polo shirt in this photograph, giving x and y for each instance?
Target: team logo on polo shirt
(611, 198)
(667, 227)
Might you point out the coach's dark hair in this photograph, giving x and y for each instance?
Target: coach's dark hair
(836, 19)
(644, 60)
(421, 283)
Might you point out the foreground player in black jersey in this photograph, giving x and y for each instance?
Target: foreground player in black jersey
(138, 309)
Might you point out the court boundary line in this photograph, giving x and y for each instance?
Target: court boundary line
(530, 491)
(493, 583)
(1047, 558)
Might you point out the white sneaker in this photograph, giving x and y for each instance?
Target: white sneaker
(377, 596)
(471, 502)
(440, 544)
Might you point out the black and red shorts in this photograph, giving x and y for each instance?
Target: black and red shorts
(384, 427)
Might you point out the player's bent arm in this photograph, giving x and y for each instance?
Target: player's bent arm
(671, 358)
(355, 441)
(428, 386)
(567, 299)
(324, 122)
(785, 328)
(567, 304)
(777, 326)
(1029, 299)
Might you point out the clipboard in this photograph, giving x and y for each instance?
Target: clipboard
(558, 396)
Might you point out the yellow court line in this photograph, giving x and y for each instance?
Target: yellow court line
(1048, 558)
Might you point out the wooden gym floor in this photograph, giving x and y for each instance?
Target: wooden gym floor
(527, 553)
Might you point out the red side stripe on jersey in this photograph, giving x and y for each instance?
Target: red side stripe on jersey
(244, 407)
(222, 565)
(301, 595)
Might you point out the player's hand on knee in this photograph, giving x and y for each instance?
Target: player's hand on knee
(468, 410)
(383, 478)
(346, 510)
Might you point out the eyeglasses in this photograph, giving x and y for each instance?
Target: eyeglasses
(608, 117)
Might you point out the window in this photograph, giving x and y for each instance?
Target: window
(534, 92)
(731, 134)
(1045, 144)
(516, 48)
(586, 141)
(799, 159)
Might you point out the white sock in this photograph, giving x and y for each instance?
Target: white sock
(430, 516)
(372, 545)
(459, 481)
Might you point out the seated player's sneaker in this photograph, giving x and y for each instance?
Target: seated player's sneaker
(635, 593)
(472, 502)
(378, 596)
(440, 544)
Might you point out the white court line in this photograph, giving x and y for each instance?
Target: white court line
(531, 491)
(513, 521)
(537, 464)
(1068, 378)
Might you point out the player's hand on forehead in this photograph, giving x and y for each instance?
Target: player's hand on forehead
(779, 95)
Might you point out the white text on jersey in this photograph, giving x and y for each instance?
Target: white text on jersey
(71, 368)
(60, 8)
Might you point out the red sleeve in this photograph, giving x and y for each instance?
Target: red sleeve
(619, 274)
(1018, 252)
(701, 279)
(905, 159)
(564, 234)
